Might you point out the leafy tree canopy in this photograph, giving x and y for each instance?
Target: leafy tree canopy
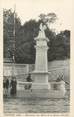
(59, 44)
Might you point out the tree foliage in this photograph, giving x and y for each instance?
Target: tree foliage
(59, 44)
(8, 30)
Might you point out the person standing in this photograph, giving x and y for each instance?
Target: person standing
(28, 79)
(13, 85)
(6, 86)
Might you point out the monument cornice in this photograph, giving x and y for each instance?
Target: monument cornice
(41, 47)
(41, 39)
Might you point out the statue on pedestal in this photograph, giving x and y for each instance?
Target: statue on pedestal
(41, 35)
(42, 27)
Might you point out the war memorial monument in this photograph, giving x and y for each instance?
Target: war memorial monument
(40, 87)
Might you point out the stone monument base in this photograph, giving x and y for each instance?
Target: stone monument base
(40, 90)
(48, 90)
(40, 86)
(40, 93)
(54, 94)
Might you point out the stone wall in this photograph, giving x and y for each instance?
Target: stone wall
(55, 69)
(61, 67)
(19, 70)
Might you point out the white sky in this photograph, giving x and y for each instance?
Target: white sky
(31, 9)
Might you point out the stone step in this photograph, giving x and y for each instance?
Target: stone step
(39, 94)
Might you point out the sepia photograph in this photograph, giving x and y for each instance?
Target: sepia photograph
(36, 56)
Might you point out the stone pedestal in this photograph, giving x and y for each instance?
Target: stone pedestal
(40, 85)
(40, 81)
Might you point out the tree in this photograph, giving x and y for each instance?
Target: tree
(59, 45)
(48, 19)
(25, 51)
(8, 29)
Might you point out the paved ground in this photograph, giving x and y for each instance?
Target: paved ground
(25, 105)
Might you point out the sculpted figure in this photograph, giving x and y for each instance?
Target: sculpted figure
(42, 27)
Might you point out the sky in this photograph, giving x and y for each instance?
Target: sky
(31, 9)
